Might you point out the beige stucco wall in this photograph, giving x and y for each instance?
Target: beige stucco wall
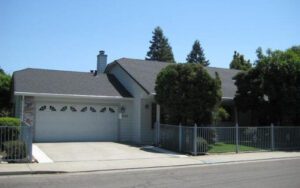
(147, 130)
(138, 93)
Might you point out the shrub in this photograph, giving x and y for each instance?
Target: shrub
(9, 121)
(15, 150)
(202, 144)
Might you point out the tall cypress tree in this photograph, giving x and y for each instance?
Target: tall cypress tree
(160, 49)
(197, 55)
(239, 62)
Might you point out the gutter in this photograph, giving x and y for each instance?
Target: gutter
(223, 98)
(70, 95)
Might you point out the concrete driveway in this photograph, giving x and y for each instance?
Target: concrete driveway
(100, 151)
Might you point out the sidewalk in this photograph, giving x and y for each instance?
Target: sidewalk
(87, 166)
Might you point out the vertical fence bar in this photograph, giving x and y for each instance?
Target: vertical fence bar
(158, 122)
(272, 137)
(195, 139)
(237, 137)
(180, 137)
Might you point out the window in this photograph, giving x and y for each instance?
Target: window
(92, 109)
(63, 109)
(83, 109)
(73, 109)
(111, 110)
(52, 108)
(103, 109)
(43, 108)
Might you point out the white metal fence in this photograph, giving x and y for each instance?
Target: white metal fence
(16, 143)
(201, 140)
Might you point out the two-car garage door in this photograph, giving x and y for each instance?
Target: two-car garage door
(75, 122)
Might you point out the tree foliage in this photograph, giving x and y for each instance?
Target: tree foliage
(271, 90)
(160, 49)
(197, 55)
(239, 62)
(188, 93)
(5, 82)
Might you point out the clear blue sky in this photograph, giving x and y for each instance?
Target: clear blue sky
(67, 34)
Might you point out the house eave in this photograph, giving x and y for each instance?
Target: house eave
(18, 93)
(227, 98)
(223, 98)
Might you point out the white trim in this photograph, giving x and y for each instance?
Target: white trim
(70, 95)
(227, 97)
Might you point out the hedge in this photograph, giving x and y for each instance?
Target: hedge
(10, 129)
(9, 121)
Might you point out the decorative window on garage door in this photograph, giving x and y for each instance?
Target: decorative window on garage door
(103, 109)
(111, 110)
(64, 108)
(43, 108)
(52, 108)
(84, 109)
(92, 109)
(73, 109)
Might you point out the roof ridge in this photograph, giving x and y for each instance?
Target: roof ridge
(144, 60)
(52, 70)
(223, 68)
(162, 62)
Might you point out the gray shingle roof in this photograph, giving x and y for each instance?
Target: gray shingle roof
(67, 82)
(145, 72)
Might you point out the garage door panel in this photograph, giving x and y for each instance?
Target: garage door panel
(74, 122)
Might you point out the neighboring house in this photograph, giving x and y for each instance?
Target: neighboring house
(114, 103)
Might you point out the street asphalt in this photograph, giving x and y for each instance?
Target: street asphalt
(275, 173)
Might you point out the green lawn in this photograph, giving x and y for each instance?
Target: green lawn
(221, 147)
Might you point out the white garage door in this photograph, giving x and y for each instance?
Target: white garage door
(75, 122)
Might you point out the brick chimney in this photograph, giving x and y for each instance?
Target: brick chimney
(101, 61)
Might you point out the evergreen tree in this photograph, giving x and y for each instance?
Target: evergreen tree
(5, 85)
(160, 49)
(197, 55)
(239, 62)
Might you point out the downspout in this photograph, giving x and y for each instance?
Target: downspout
(22, 108)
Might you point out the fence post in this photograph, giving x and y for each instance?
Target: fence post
(272, 137)
(195, 139)
(157, 124)
(180, 137)
(237, 137)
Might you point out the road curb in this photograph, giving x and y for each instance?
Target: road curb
(30, 172)
(203, 163)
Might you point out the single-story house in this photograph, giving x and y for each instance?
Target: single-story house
(113, 103)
